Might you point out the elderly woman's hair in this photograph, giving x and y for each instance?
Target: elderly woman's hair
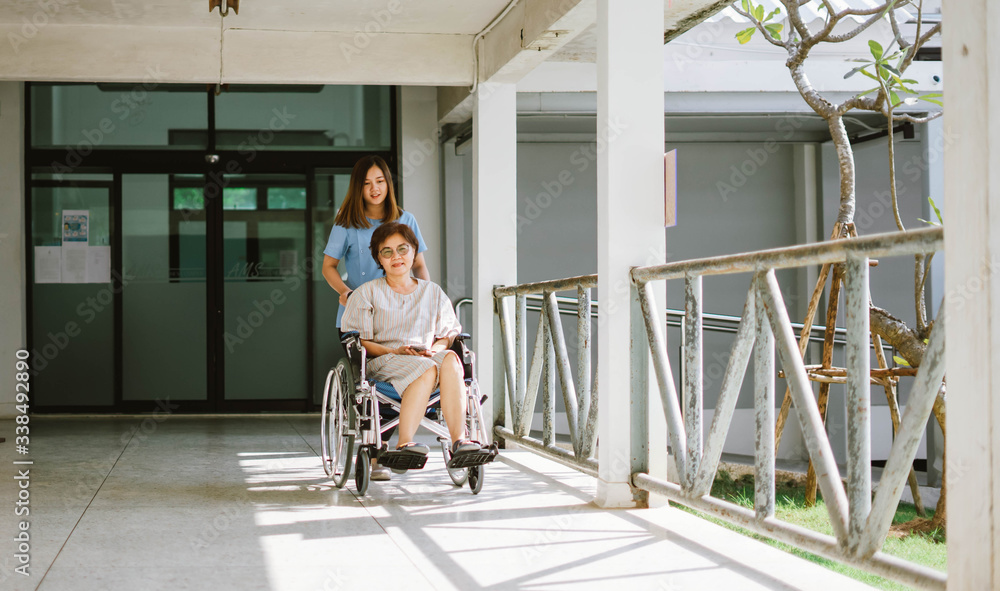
(384, 232)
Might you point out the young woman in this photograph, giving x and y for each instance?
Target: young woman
(370, 202)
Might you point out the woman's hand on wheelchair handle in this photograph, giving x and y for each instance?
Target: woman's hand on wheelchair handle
(344, 296)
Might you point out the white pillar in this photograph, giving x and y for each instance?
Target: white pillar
(971, 46)
(420, 170)
(13, 320)
(629, 213)
(494, 230)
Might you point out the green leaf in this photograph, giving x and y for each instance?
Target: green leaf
(937, 211)
(869, 91)
(775, 30)
(928, 222)
(894, 98)
(891, 69)
(744, 36)
(747, 7)
(758, 12)
(854, 71)
(772, 13)
(900, 361)
(870, 75)
(876, 49)
(930, 100)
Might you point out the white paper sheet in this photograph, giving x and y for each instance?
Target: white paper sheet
(99, 264)
(74, 264)
(48, 267)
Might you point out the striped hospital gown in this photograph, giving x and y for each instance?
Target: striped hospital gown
(394, 320)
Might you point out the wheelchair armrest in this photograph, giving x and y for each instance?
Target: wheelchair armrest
(352, 344)
(463, 352)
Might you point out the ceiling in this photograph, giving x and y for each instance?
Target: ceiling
(443, 17)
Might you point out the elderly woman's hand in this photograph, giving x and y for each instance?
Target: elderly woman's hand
(408, 350)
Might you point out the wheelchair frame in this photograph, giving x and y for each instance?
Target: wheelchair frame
(351, 418)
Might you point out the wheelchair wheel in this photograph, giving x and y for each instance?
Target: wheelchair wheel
(342, 427)
(476, 479)
(457, 475)
(337, 425)
(362, 471)
(324, 435)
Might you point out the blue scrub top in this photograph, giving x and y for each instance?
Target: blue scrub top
(352, 246)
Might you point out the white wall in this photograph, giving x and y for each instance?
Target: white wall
(557, 235)
(13, 335)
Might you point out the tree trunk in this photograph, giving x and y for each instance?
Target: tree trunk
(895, 332)
(845, 158)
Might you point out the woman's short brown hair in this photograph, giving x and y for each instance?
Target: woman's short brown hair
(387, 230)
(352, 212)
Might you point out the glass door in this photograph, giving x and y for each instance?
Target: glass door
(74, 292)
(164, 333)
(264, 289)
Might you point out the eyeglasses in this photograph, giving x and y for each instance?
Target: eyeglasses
(402, 249)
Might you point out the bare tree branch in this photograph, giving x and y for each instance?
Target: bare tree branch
(895, 332)
(900, 40)
(857, 31)
(870, 11)
(911, 119)
(916, 45)
(796, 19)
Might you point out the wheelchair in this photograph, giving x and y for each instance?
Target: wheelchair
(357, 411)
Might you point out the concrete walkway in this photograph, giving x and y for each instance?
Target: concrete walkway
(243, 503)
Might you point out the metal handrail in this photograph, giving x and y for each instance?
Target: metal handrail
(726, 323)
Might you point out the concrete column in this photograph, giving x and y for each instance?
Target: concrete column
(420, 170)
(932, 175)
(13, 320)
(805, 158)
(630, 144)
(494, 230)
(970, 47)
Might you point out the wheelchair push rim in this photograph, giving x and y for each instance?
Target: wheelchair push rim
(337, 432)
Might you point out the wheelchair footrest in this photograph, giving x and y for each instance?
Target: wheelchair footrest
(478, 458)
(401, 460)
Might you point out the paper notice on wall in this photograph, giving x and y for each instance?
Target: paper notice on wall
(99, 264)
(75, 227)
(48, 267)
(74, 265)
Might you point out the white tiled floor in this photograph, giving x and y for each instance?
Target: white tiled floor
(243, 503)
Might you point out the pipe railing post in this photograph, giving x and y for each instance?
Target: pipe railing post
(763, 380)
(859, 424)
(693, 394)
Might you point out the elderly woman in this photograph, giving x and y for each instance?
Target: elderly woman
(407, 326)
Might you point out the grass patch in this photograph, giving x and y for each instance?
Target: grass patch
(790, 505)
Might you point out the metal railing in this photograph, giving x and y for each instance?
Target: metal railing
(550, 357)
(859, 523)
